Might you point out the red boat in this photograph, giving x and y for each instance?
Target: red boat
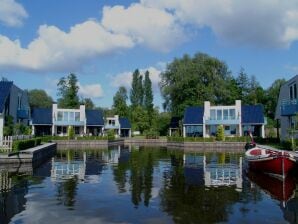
(271, 161)
(282, 190)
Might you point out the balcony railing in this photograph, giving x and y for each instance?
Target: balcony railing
(69, 123)
(289, 107)
(224, 120)
(112, 126)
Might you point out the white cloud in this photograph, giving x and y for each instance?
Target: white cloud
(56, 50)
(265, 23)
(125, 78)
(12, 13)
(149, 26)
(91, 90)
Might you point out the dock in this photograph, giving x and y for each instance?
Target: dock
(35, 155)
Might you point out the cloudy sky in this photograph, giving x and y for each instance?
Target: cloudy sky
(104, 41)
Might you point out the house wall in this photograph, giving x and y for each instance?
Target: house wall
(16, 93)
(284, 95)
(1, 127)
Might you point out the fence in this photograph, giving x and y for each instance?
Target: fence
(6, 142)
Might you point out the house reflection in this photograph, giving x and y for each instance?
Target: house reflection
(213, 171)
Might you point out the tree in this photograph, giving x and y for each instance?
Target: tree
(68, 91)
(139, 119)
(148, 96)
(243, 84)
(119, 102)
(88, 103)
(220, 133)
(191, 81)
(38, 98)
(136, 92)
(272, 94)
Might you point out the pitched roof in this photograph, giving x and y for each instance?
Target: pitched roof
(42, 116)
(193, 115)
(124, 123)
(174, 122)
(5, 87)
(94, 117)
(252, 114)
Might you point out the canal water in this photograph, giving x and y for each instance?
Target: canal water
(144, 185)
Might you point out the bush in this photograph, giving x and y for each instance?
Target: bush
(287, 144)
(151, 134)
(175, 139)
(25, 144)
(93, 138)
(237, 139)
(111, 134)
(70, 132)
(220, 133)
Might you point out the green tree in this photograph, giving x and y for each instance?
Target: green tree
(190, 81)
(8, 129)
(148, 96)
(243, 84)
(134, 92)
(119, 102)
(70, 132)
(220, 133)
(68, 91)
(38, 98)
(139, 118)
(272, 94)
(88, 103)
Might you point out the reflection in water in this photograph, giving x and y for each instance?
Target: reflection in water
(144, 185)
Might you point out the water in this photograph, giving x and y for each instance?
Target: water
(144, 185)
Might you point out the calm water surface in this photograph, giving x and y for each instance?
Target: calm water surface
(144, 185)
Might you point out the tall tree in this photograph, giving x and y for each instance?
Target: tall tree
(243, 84)
(119, 102)
(190, 81)
(148, 96)
(88, 103)
(38, 98)
(134, 92)
(140, 91)
(68, 91)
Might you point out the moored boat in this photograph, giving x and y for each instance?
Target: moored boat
(271, 161)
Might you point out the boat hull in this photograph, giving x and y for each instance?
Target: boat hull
(280, 165)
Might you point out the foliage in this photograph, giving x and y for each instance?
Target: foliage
(148, 96)
(151, 134)
(68, 91)
(25, 144)
(161, 122)
(88, 103)
(192, 80)
(139, 119)
(21, 129)
(119, 102)
(220, 133)
(111, 134)
(136, 92)
(8, 129)
(237, 139)
(70, 132)
(38, 98)
(272, 95)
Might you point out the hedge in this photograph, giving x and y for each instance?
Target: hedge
(25, 144)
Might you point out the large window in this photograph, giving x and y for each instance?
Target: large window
(232, 114)
(226, 114)
(219, 114)
(212, 114)
(60, 116)
(77, 116)
(194, 131)
(71, 116)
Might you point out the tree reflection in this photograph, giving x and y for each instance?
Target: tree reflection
(67, 191)
(194, 203)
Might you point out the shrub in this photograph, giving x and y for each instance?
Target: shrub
(175, 139)
(236, 139)
(111, 134)
(151, 134)
(220, 133)
(70, 132)
(23, 144)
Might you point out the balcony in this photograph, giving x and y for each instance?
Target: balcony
(226, 120)
(289, 107)
(69, 123)
(112, 126)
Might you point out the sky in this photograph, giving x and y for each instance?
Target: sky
(103, 42)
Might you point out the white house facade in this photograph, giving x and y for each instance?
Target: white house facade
(236, 119)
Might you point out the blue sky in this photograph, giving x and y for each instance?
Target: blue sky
(104, 41)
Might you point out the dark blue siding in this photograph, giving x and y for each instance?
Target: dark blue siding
(124, 123)
(252, 114)
(94, 118)
(42, 116)
(4, 93)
